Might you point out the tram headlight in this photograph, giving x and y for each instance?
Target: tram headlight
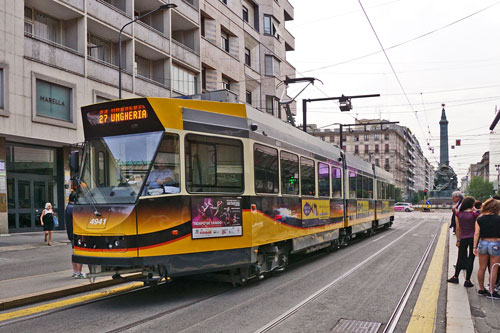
(79, 242)
(110, 246)
(116, 243)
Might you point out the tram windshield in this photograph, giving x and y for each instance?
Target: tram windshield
(115, 167)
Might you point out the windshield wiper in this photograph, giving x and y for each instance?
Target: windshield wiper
(92, 200)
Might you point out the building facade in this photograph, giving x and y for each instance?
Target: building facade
(389, 146)
(480, 169)
(57, 55)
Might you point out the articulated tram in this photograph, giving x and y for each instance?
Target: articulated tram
(171, 187)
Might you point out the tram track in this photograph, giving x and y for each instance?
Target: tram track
(357, 245)
(288, 314)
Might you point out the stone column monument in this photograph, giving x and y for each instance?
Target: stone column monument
(445, 179)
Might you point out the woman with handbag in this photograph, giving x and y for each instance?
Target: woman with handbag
(47, 220)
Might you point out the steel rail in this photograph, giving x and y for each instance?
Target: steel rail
(277, 321)
(390, 326)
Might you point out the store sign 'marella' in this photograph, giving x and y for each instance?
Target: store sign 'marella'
(52, 100)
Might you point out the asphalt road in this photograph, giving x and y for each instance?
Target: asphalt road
(367, 280)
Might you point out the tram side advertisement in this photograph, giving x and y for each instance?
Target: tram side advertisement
(214, 217)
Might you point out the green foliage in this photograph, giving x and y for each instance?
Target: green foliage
(480, 188)
(418, 197)
(397, 194)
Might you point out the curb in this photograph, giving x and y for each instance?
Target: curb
(16, 302)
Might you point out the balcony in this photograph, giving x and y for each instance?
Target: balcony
(215, 57)
(185, 54)
(190, 11)
(288, 9)
(112, 16)
(54, 55)
(148, 87)
(252, 74)
(151, 36)
(78, 4)
(289, 40)
(107, 73)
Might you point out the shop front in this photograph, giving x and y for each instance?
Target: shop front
(34, 177)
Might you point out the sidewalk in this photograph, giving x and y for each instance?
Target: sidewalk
(466, 311)
(31, 271)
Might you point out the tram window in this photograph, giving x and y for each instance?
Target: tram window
(266, 169)
(307, 177)
(336, 182)
(165, 173)
(367, 187)
(352, 184)
(323, 180)
(214, 164)
(359, 186)
(289, 173)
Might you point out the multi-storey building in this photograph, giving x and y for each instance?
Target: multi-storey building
(388, 146)
(481, 169)
(57, 55)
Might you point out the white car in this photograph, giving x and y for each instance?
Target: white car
(403, 207)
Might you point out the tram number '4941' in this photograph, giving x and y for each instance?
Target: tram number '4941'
(97, 221)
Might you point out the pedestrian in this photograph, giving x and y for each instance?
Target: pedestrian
(466, 221)
(487, 245)
(47, 221)
(457, 198)
(68, 219)
(477, 206)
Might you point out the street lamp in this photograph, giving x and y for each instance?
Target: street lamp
(162, 7)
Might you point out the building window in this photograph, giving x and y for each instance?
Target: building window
(386, 136)
(387, 165)
(266, 169)
(245, 14)
(366, 149)
(271, 66)
(271, 104)
(224, 39)
(248, 59)
(42, 25)
(356, 149)
(203, 78)
(386, 148)
(356, 138)
(226, 84)
(100, 49)
(376, 137)
(53, 101)
(376, 149)
(120, 4)
(367, 137)
(248, 97)
(343, 148)
(269, 26)
(224, 1)
(2, 106)
(377, 162)
(202, 26)
(184, 81)
(143, 66)
(332, 138)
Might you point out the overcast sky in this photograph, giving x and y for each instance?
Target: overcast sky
(457, 64)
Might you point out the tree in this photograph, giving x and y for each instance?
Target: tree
(480, 189)
(397, 194)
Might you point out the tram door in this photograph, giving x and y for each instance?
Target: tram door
(27, 195)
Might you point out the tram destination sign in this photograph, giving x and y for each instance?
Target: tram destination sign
(216, 217)
(119, 117)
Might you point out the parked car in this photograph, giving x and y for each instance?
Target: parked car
(403, 207)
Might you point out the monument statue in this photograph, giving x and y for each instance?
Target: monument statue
(445, 179)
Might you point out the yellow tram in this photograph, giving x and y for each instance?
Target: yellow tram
(171, 187)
